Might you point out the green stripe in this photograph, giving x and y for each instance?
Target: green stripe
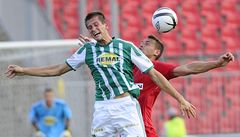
(80, 50)
(137, 51)
(110, 78)
(89, 60)
(118, 71)
(116, 48)
(104, 87)
(127, 64)
(146, 71)
(120, 80)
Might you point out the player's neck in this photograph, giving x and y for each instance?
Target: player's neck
(49, 104)
(105, 40)
(153, 58)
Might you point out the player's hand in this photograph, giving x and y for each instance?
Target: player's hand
(39, 134)
(188, 109)
(66, 133)
(225, 59)
(14, 70)
(83, 40)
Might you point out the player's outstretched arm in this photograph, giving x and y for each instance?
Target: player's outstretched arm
(161, 81)
(203, 66)
(54, 70)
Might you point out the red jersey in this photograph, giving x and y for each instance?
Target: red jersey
(149, 92)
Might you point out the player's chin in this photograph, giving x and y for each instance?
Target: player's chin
(98, 38)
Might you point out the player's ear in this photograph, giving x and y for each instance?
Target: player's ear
(157, 52)
(106, 25)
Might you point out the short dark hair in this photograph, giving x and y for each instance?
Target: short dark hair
(47, 90)
(99, 14)
(159, 45)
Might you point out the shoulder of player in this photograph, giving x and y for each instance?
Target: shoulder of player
(59, 102)
(125, 42)
(159, 63)
(89, 44)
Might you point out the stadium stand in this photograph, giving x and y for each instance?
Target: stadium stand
(65, 17)
(208, 29)
(205, 30)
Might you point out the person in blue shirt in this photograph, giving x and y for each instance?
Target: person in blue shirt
(50, 117)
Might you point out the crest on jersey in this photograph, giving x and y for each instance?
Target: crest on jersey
(107, 59)
(49, 120)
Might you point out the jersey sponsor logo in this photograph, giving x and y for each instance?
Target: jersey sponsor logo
(107, 59)
(49, 120)
(140, 85)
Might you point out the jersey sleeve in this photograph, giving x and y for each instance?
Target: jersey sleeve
(32, 115)
(67, 112)
(140, 60)
(165, 69)
(77, 59)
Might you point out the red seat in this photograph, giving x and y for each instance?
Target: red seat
(229, 38)
(228, 121)
(211, 18)
(170, 35)
(229, 5)
(233, 66)
(205, 125)
(146, 20)
(90, 6)
(172, 48)
(150, 7)
(129, 7)
(191, 6)
(231, 44)
(229, 31)
(190, 42)
(190, 20)
(212, 46)
(173, 4)
(230, 18)
(210, 6)
(148, 31)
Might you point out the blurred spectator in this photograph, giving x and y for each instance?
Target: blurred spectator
(175, 125)
(50, 117)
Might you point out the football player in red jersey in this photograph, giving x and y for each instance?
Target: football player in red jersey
(152, 47)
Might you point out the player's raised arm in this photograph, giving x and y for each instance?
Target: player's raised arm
(197, 67)
(48, 71)
(162, 82)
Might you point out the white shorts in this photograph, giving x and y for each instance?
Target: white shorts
(118, 117)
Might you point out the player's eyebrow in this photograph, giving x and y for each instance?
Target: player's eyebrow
(147, 41)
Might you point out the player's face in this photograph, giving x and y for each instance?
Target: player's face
(147, 46)
(97, 29)
(49, 96)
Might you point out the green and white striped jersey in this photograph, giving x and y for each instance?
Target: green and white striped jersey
(111, 66)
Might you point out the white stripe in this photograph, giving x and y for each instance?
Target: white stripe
(99, 70)
(121, 56)
(105, 79)
(112, 74)
(121, 68)
(125, 41)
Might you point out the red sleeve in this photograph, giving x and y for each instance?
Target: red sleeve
(165, 69)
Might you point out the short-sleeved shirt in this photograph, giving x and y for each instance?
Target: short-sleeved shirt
(111, 66)
(50, 121)
(149, 91)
